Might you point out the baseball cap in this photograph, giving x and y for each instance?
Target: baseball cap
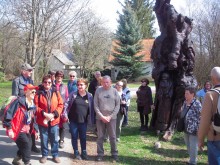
(30, 87)
(26, 66)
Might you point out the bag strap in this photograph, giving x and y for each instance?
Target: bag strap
(189, 108)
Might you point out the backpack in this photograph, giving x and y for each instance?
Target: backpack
(6, 106)
(216, 117)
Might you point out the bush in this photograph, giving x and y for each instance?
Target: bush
(2, 77)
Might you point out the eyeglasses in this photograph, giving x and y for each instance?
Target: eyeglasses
(119, 85)
(80, 84)
(47, 82)
(72, 76)
(33, 92)
(29, 70)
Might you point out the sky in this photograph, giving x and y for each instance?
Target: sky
(107, 9)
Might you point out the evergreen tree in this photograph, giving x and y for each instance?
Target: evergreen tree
(144, 11)
(127, 38)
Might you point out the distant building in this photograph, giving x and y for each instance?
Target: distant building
(146, 51)
(62, 61)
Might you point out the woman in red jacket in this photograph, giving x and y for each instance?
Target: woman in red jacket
(17, 122)
(49, 107)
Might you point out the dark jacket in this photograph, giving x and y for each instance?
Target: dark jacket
(15, 116)
(93, 86)
(144, 98)
(68, 105)
(18, 85)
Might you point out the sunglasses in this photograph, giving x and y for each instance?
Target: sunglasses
(33, 92)
(72, 76)
(80, 84)
(47, 82)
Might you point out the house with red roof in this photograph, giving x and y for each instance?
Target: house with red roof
(147, 45)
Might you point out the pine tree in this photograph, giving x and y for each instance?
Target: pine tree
(144, 12)
(127, 38)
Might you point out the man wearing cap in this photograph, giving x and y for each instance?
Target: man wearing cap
(18, 90)
(209, 108)
(17, 122)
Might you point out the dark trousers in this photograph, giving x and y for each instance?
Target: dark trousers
(143, 117)
(126, 116)
(78, 130)
(24, 144)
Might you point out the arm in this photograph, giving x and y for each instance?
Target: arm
(96, 104)
(117, 104)
(15, 90)
(205, 122)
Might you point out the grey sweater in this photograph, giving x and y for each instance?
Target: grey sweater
(106, 102)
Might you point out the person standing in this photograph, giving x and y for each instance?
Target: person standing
(209, 108)
(80, 110)
(201, 93)
(127, 93)
(17, 122)
(122, 111)
(58, 84)
(49, 105)
(72, 82)
(191, 110)
(94, 84)
(106, 105)
(18, 90)
(144, 103)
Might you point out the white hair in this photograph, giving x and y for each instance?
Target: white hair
(73, 73)
(215, 72)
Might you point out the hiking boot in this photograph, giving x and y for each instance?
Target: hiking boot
(99, 158)
(43, 159)
(56, 159)
(61, 144)
(115, 157)
(35, 149)
(84, 155)
(78, 157)
(16, 160)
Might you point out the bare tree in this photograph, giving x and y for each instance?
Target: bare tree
(91, 44)
(206, 37)
(42, 23)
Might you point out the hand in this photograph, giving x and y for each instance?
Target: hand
(11, 133)
(104, 119)
(49, 116)
(123, 102)
(201, 145)
(36, 136)
(108, 118)
(152, 107)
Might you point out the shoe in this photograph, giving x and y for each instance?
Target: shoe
(115, 157)
(118, 140)
(78, 157)
(84, 156)
(61, 144)
(35, 149)
(124, 125)
(56, 159)
(99, 158)
(43, 159)
(28, 163)
(16, 160)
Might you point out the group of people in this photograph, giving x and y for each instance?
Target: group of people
(45, 111)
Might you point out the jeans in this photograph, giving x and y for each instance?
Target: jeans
(213, 152)
(120, 118)
(46, 133)
(192, 147)
(78, 130)
(111, 129)
(24, 144)
(125, 122)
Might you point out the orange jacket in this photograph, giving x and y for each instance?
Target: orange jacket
(56, 106)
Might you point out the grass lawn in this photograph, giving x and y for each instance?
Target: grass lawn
(137, 148)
